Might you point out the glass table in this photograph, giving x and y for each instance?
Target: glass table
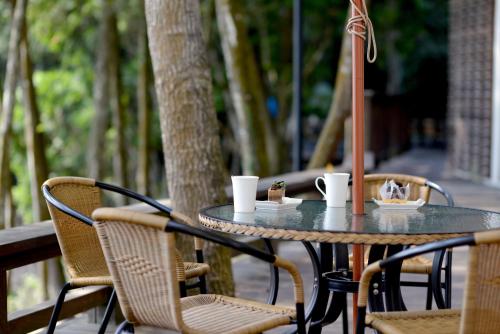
(388, 231)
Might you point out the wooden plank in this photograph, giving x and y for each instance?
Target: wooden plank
(3, 301)
(38, 316)
(32, 256)
(26, 238)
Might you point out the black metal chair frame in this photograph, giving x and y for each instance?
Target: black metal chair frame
(201, 283)
(174, 226)
(395, 261)
(434, 282)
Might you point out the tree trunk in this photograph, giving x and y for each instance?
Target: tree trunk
(9, 207)
(97, 139)
(143, 107)
(257, 140)
(35, 140)
(52, 271)
(193, 158)
(340, 109)
(117, 109)
(9, 99)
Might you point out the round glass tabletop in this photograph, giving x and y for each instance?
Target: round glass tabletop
(314, 216)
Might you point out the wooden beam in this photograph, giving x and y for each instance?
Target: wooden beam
(3, 301)
(26, 238)
(29, 257)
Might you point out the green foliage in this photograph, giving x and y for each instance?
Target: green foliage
(28, 293)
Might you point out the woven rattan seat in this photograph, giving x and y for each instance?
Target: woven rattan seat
(435, 322)
(221, 314)
(480, 311)
(140, 252)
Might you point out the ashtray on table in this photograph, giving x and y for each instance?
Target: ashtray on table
(408, 205)
(270, 206)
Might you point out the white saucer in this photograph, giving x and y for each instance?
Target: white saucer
(287, 205)
(410, 205)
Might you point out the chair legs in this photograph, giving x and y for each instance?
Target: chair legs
(60, 301)
(107, 314)
(345, 319)
(447, 278)
(203, 284)
(183, 288)
(202, 281)
(428, 303)
(124, 327)
(57, 308)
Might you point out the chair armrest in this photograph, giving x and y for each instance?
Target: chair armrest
(175, 226)
(132, 194)
(427, 248)
(298, 285)
(180, 217)
(378, 266)
(364, 282)
(444, 192)
(64, 208)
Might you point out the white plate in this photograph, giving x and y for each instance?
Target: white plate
(410, 205)
(287, 205)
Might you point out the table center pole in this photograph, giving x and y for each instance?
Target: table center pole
(358, 130)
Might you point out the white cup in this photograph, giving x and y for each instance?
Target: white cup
(336, 189)
(244, 193)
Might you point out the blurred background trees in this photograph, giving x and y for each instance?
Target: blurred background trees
(78, 83)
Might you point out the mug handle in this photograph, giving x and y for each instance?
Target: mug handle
(317, 185)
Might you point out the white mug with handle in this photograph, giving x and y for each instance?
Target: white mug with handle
(336, 189)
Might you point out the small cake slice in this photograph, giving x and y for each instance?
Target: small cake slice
(276, 192)
(395, 200)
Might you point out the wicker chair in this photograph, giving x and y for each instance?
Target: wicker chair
(139, 250)
(480, 311)
(419, 188)
(80, 246)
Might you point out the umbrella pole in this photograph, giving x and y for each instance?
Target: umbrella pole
(358, 84)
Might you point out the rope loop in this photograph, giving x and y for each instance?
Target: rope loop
(359, 25)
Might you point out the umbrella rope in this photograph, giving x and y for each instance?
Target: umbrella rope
(363, 23)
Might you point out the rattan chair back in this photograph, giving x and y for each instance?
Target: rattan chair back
(79, 244)
(481, 307)
(418, 185)
(141, 258)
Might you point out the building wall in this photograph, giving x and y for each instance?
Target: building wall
(471, 86)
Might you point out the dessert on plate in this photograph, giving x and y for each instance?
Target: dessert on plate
(276, 192)
(392, 192)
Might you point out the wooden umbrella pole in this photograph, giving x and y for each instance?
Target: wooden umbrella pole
(358, 130)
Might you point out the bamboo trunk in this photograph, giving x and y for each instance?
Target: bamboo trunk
(193, 158)
(9, 99)
(117, 110)
(52, 271)
(256, 137)
(100, 122)
(143, 107)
